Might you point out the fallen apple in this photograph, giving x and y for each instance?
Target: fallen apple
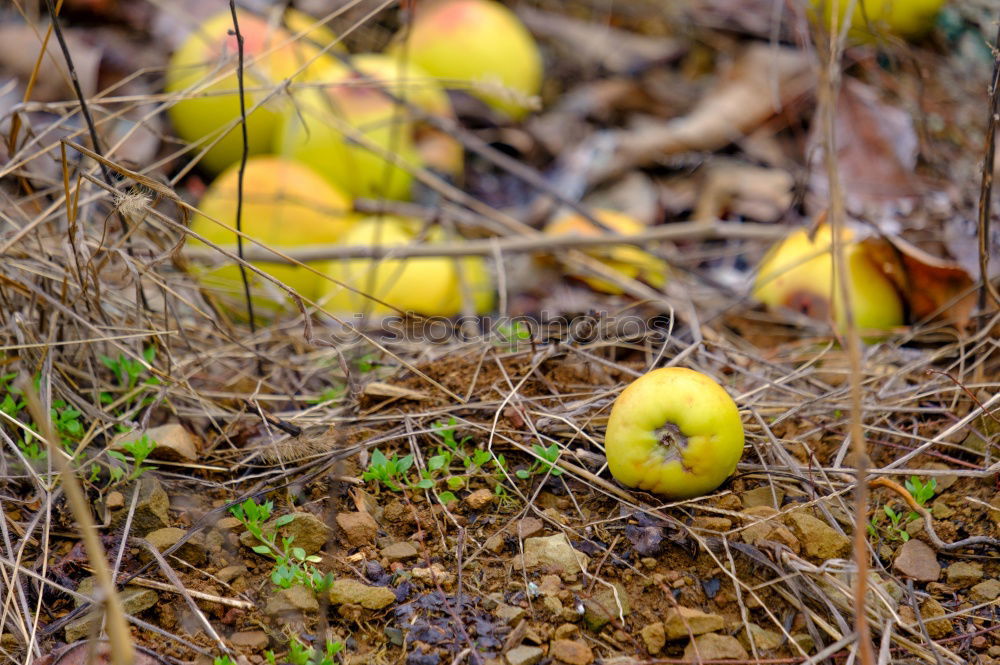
(205, 67)
(674, 432)
(322, 133)
(432, 286)
(476, 45)
(910, 19)
(630, 261)
(285, 205)
(407, 81)
(797, 274)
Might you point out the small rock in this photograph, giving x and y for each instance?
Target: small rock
(936, 628)
(962, 574)
(359, 528)
(552, 605)
(571, 652)
(353, 591)
(479, 499)
(399, 551)
(649, 563)
(654, 637)
(780, 534)
(524, 655)
(683, 621)
(766, 640)
(915, 527)
(819, 539)
(763, 496)
(306, 531)
(986, 591)
(133, 599)
(192, 551)
(397, 512)
(941, 510)
(916, 559)
(567, 631)
(709, 523)
(509, 613)
(805, 641)
(941, 483)
(495, 543)
(603, 606)
(528, 527)
(554, 552)
(550, 585)
(228, 524)
(114, 501)
(435, 574)
(151, 509)
(173, 442)
(757, 523)
(254, 640)
(229, 573)
(712, 646)
(296, 599)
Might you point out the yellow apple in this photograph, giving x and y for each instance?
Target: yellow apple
(210, 55)
(407, 81)
(285, 205)
(432, 286)
(674, 432)
(478, 45)
(630, 261)
(910, 19)
(319, 133)
(798, 274)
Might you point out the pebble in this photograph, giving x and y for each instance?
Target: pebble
(479, 499)
(399, 551)
(115, 501)
(819, 540)
(936, 628)
(765, 639)
(962, 574)
(985, 591)
(605, 605)
(683, 621)
(173, 442)
(529, 527)
(916, 559)
(763, 496)
(571, 652)
(352, 591)
(435, 574)
(654, 637)
(712, 646)
(192, 551)
(509, 613)
(296, 599)
(359, 528)
(567, 631)
(524, 655)
(229, 573)
(254, 640)
(151, 509)
(555, 553)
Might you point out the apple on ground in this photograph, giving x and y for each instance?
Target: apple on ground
(285, 205)
(204, 70)
(797, 274)
(629, 260)
(910, 19)
(674, 432)
(475, 45)
(431, 286)
(330, 126)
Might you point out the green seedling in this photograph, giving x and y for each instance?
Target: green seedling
(389, 472)
(127, 373)
(510, 335)
(546, 464)
(334, 394)
(922, 492)
(292, 566)
(300, 654)
(139, 449)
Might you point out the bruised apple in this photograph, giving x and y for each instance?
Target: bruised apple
(674, 432)
(797, 274)
(630, 261)
(432, 286)
(475, 45)
(204, 70)
(285, 205)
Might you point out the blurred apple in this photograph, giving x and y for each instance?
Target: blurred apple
(910, 19)
(797, 274)
(478, 45)
(321, 132)
(432, 286)
(209, 56)
(674, 432)
(629, 260)
(285, 205)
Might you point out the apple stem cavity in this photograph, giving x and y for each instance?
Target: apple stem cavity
(671, 442)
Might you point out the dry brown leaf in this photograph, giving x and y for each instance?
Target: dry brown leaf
(762, 81)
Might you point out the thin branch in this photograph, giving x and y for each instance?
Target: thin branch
(986, 189)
